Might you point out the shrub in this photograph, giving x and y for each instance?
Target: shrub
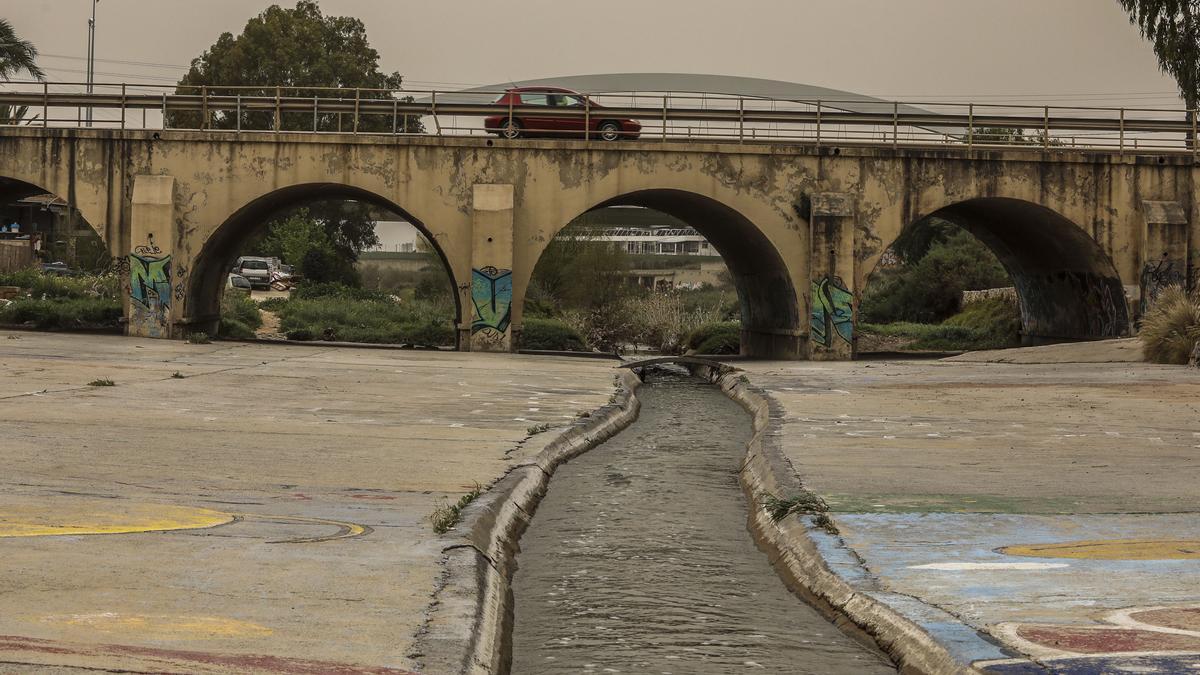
(238, 307)
(930, 290)
(996, 323)
(716, 338)
(551, 334)
(63, 313)
(41, 285)
(311, 290)
(1171, 328)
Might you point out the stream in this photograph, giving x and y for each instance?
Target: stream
(639, 559)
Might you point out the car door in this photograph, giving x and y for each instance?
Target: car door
(536, 125)
(570, 126)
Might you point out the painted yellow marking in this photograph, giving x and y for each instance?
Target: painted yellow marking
(1113, 549)
(162, 625)
(61, 516)
(346, 530)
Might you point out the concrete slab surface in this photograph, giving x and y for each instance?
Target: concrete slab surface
(1042, 500)
(240, 507)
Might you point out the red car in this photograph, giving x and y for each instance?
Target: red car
(528, 125)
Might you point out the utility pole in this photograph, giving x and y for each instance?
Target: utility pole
(91, 57)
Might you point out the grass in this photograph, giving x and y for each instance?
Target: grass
(63, 313)
(178, 375)
(1171, 328)
(198, 338)
(551, 334)
(348, 320)
(805, 503)
(53, 302)
(445, 516)
(988, 324)
(104, 382)
(538, 428)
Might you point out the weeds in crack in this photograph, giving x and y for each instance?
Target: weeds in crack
(805, 503)
(105, 382)
(538, 428)
(446, 515)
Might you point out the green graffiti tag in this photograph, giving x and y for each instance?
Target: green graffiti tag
(149, 294)
(832, 311)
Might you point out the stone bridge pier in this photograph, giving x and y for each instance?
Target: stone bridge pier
(1088, 238)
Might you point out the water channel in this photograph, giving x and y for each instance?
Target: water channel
(639, 560)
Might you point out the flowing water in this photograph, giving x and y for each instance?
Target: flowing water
(639, 559)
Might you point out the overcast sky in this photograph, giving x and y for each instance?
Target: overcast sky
(1081, 51)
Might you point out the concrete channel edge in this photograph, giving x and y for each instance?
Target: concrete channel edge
(468, 627)
(796, 556)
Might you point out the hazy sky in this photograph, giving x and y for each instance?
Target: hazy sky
(1082, 51)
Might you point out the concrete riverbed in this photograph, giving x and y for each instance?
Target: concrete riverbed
(639, 560)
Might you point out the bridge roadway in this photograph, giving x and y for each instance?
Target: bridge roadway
(1088, 235)
(267, 513)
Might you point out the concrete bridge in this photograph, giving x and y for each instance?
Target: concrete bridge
(1086, 235)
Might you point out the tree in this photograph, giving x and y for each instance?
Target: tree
(1171, 26)
(17, 55)
(309, 243)
(292, 48)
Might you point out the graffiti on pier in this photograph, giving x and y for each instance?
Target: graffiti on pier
(1158, 276)
(491, 294)
(149, 295)
(832, 311)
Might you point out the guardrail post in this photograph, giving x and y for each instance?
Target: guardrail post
(395, 105)
(203, 107)
(1121, 147)
(818, 125)
(741, 120)
(164, 110)
(433, 111)
(1195, 145)
(587, 118)
(278, 111)
(45, 104)
(357, 99)
(237, 112)
(664, 120)
(895, 123)
(1046, 129)
(316, 106)
(123, 85)
(970, 125)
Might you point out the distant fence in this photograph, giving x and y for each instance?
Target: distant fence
(970, 297)
(15, 255)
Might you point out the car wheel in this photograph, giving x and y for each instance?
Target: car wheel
(609, 131)
(511, 129)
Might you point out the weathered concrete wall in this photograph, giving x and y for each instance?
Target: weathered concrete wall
(800, 228)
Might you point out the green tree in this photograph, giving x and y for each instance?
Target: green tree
(1171, 27)
(578, 272)
(291, 48)
(930, 290)
(300, 239)
(17, 55)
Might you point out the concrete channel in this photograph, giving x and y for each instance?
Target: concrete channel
(471, 626)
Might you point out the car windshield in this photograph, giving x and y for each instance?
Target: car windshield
(254, 265)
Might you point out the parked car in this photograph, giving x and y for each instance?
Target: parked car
(59, 268)
(596, 125)
(256, 270)
(239, 283)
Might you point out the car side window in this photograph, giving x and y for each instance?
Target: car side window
(572, 101)
(534, 99)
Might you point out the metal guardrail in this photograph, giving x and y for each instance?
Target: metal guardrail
(666, 116)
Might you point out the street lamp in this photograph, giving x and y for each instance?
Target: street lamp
(91, 57)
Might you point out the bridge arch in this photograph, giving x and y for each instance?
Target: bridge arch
(206, 280)
(1067, 285)
(770, 305)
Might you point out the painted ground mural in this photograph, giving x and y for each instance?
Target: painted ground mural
(832, 311)
(491, 295)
